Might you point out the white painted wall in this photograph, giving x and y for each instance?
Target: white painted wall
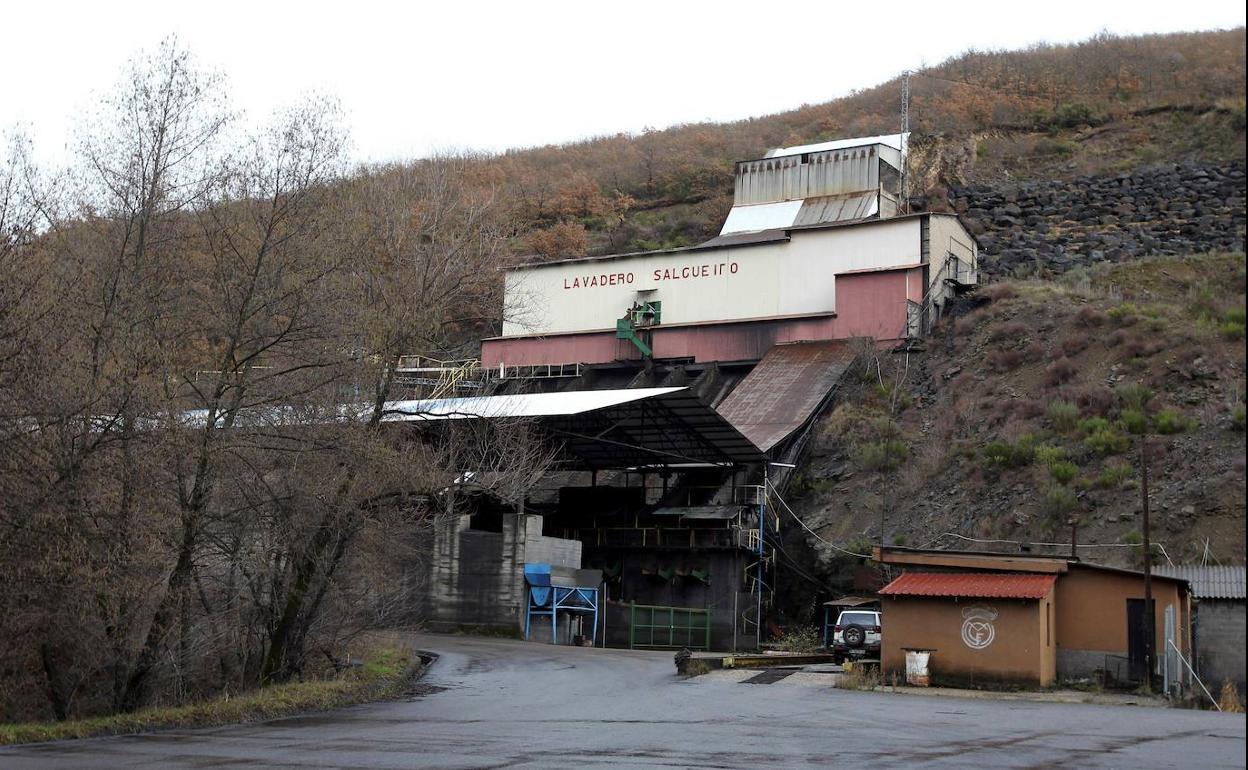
(726, 284)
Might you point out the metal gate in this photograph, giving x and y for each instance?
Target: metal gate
(652, 627)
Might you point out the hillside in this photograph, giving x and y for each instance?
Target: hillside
(1101, 107)
(1024, 413)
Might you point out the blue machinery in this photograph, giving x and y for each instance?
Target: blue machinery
(544, 599)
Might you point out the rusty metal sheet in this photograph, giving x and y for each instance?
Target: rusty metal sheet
(784, 390)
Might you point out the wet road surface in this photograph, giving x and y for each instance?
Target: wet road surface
(513, 704)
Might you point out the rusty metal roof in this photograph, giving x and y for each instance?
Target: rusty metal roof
(1209, 582)
(784, 390)
(971, 585)
(852, 601)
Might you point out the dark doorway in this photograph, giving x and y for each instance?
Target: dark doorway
(1137, 638)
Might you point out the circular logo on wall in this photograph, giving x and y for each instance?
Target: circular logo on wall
(977, 630)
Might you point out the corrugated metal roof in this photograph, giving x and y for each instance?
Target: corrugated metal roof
(838, 208)
(517, 405)
(971, 585)
(761, 216)
(743, 239)
(784, 389)
(607, 428)
(889, 140)
(1209, 582)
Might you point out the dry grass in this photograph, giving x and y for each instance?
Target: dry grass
(385, 673)
(1228, 699)
(860, 677)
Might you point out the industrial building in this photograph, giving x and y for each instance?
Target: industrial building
(813, 249)
(681, 383)
(996, 619)
(1219, 628)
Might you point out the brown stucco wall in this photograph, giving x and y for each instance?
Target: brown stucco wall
(1092, 610)
(1021, 652)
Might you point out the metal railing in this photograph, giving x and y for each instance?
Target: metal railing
(665, 537)
(654, 627)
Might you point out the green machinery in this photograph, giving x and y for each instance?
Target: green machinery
(635, 324)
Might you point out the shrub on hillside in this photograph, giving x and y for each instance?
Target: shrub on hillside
(1108, 441)
(1063, 471)
(1007, 454)
(1028, 408)
(1134, 420)
(1094, 399)
(1116, 338)
(1168, 422)
(1237, 418)
(1048, 454)
(882, 456)
(998, 291)
(1060, 371)
(1231, 330)
(1063, 415)
(1114, 474)
(1009, 331)
(1002, 361)
(1124, 315)
(1074, 344)
(1058, 502)
(1091, 425)
(1089, 317)
(1134, 395)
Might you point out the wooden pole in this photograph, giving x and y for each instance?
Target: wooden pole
(1149, 622)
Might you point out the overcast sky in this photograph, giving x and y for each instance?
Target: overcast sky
(416, 77)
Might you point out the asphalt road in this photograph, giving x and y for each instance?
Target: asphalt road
(512, 704)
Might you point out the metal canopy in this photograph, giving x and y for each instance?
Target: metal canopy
(608, 428)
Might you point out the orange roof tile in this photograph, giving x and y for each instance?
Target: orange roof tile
(979, 585)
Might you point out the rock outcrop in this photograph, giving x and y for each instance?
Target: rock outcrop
(1052, 226)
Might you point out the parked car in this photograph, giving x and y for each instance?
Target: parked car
(857, 634)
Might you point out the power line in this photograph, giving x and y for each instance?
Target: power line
(811, 531)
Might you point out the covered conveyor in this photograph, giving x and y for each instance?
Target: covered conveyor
(784, 390)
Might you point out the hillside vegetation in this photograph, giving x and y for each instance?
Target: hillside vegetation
(1027, 413)
(1108, 104)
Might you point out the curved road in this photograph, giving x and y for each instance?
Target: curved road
(505, 703)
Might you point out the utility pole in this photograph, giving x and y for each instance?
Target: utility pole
(905, 129)
(1149, 622)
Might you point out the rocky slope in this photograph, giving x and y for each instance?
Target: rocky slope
(1021, 416)
(1052, 225)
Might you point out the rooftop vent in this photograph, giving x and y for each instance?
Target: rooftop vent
(812, 184)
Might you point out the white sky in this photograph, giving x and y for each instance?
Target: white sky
(415, 77)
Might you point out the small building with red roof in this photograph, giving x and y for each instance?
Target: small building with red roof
(1021, 620)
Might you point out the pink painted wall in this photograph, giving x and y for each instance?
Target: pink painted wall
(868, 305)
(872, 304)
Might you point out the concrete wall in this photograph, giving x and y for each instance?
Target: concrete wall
(1220, 633)
(477, 578)
(1021, 651)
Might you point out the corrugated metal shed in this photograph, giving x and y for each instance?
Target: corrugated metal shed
(1209, 582)
(784, 390)
(972, 585)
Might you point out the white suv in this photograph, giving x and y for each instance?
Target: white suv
(856, 634)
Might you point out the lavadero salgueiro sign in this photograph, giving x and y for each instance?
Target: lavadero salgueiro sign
(659, 274)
